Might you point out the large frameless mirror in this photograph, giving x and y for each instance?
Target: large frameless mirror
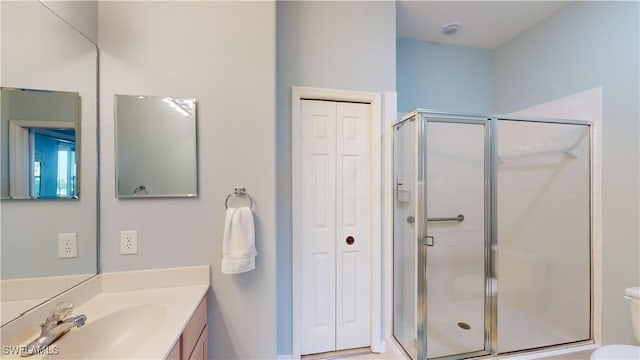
(156, 147)
(49, 143)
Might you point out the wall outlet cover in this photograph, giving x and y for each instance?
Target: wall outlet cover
(129, 242)
(67, 245)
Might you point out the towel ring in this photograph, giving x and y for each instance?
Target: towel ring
(239, 191)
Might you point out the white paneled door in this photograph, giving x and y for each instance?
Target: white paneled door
(336, 239)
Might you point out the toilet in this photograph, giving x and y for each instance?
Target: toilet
(624, 351)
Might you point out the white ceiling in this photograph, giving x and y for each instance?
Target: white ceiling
(485, 24)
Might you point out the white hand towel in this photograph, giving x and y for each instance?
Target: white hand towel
(238, 243)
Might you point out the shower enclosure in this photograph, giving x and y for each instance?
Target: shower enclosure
(491, 234)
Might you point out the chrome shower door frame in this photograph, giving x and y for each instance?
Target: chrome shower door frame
(409, 346)
(491, 221)
(495, 119)
(490, 300)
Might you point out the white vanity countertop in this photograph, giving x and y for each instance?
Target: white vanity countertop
(165, 313)
(130, 315)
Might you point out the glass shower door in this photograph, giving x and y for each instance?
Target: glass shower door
(405, 245)
(477, 201)
(544, 255)
(457, 237)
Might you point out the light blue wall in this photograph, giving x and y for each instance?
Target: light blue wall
(443, 77)
(583, 46)
(82, 15)
(222, 53)
(340, 45)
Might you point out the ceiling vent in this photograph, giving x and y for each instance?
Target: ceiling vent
(451, 28)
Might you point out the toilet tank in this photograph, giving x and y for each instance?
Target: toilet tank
(633, 295)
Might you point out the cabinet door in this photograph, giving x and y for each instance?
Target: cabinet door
(194, 330)
(175, 352)
(200, 349)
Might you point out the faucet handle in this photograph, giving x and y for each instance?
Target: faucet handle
(60, 311)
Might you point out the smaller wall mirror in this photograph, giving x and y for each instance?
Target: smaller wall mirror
(40, 145)
(156, 148)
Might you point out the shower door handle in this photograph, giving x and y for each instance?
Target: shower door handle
(459, 218)
(427, 242)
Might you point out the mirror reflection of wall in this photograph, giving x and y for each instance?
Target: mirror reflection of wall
(156, 147)
(41, 51)
(40, 130)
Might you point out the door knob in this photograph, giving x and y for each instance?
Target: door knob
(350, 240)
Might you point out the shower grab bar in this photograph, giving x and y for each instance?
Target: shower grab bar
(459, 218)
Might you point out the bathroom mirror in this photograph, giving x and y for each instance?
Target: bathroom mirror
(40, 138)
(156, 147)
(49, 100)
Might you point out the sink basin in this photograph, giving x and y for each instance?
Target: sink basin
(112, 336)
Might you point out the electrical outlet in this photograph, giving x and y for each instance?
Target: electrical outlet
(67, 245)
(129, 242)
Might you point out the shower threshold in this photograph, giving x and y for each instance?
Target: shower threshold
(580, 350)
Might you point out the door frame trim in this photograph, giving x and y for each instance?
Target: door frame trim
(374, 100)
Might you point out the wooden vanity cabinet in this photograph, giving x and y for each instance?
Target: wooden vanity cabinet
(193, 342)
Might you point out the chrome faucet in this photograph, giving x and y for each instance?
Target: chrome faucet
(55, 326)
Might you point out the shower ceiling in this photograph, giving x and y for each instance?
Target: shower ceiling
(485, 24)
